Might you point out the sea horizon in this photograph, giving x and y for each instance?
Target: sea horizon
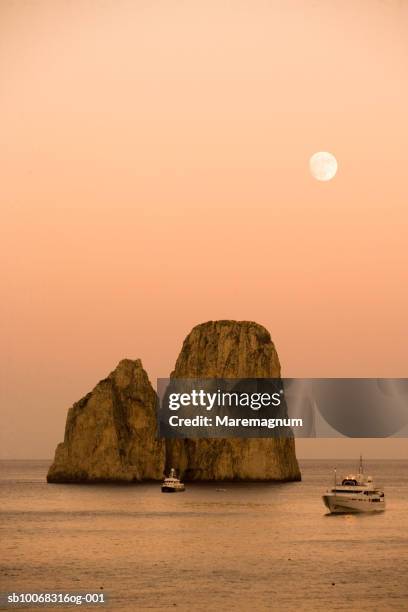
(258, 545)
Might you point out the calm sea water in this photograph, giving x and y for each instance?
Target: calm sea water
(252, 547)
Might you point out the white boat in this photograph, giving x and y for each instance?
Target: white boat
(355, 493)
(171, 484)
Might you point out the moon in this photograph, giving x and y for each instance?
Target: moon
(323, 166)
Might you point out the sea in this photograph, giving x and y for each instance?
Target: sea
(249, 547)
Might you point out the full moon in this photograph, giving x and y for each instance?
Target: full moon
(323, 166)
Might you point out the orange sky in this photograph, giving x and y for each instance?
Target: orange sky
(154, 175)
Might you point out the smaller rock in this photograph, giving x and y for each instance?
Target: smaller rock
(111, 433)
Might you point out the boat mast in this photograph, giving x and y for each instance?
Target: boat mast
(360, 469)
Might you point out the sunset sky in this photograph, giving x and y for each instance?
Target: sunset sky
(154, 175)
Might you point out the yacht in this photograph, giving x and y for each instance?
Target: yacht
(355, 493)
(171, 484)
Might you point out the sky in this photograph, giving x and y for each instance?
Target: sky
(154, 175)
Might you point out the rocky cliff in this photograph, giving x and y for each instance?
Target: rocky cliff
(110, 434)
(231, 349)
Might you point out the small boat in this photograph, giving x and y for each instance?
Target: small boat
(171, 484)
(355, 493)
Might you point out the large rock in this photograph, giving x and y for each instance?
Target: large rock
(231, 349)
(110, 434)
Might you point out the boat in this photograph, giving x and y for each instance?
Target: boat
(355, 493)
(172, 484)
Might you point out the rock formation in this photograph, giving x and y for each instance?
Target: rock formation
(231, 349)
(110, 434)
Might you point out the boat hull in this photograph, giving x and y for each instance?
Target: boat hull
(165, 489)
(339, 505)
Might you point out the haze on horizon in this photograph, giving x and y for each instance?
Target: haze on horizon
(154, 175)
